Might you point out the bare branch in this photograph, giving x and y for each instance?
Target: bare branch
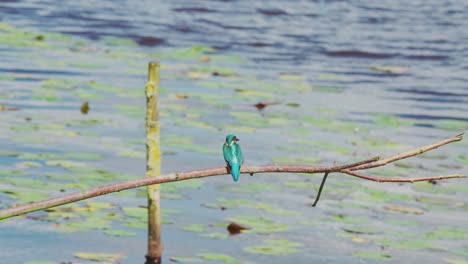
(408, 154)
(346, 169)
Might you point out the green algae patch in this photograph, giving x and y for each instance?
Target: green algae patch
(279, 247)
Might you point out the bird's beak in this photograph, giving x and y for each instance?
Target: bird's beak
(237, 139)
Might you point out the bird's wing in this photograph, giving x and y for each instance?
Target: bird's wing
(227, 154)
(238, 152)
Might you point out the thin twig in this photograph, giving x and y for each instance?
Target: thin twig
(320, 189)
(383, 179)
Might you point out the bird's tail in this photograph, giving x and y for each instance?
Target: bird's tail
(235, 170)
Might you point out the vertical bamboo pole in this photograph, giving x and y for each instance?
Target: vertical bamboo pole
(153, 163)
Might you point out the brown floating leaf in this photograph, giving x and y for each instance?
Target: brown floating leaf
(205, 59)
(181, 96)
(8, 108)
(235, 228)
(261, 105)
(85, 108)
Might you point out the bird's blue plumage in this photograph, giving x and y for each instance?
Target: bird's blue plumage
(232, 155)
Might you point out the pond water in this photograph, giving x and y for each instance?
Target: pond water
(348, 80)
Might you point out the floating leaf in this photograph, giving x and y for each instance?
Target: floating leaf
(403, 209)
(275, 247)
(348, 219)
(324, 89)
(331, 77)
(413, 244)
(293, 104)
(447, 232)
(67, 164)
(390, 69)
(136, 212)
(376, 195)
(113, 232)
(194, 228)
(185, 259)
(130, 153)
(372, 255)
(8, 108)
(98, 256)
(28, 164)
(235, 228)
(391, 121)
(218, 257)
(361, 230)
(260, 225)
(88, 223)
(9, 153)
(27, 196)
(452, 125)
(193, 52)
(463, 158)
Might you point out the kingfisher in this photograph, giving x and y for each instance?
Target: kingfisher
(232, 155)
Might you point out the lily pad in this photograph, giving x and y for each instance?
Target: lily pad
(275, 247)
(67, 164)
(414, 244)
(447, 232)
(390, 69)
(113, 232)
(185, 259)
(361, 230)
(391, 121)
(112, 258)
(262, 225)
(403, 209)
(372, 255)
(218, 257)
(194, 228)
